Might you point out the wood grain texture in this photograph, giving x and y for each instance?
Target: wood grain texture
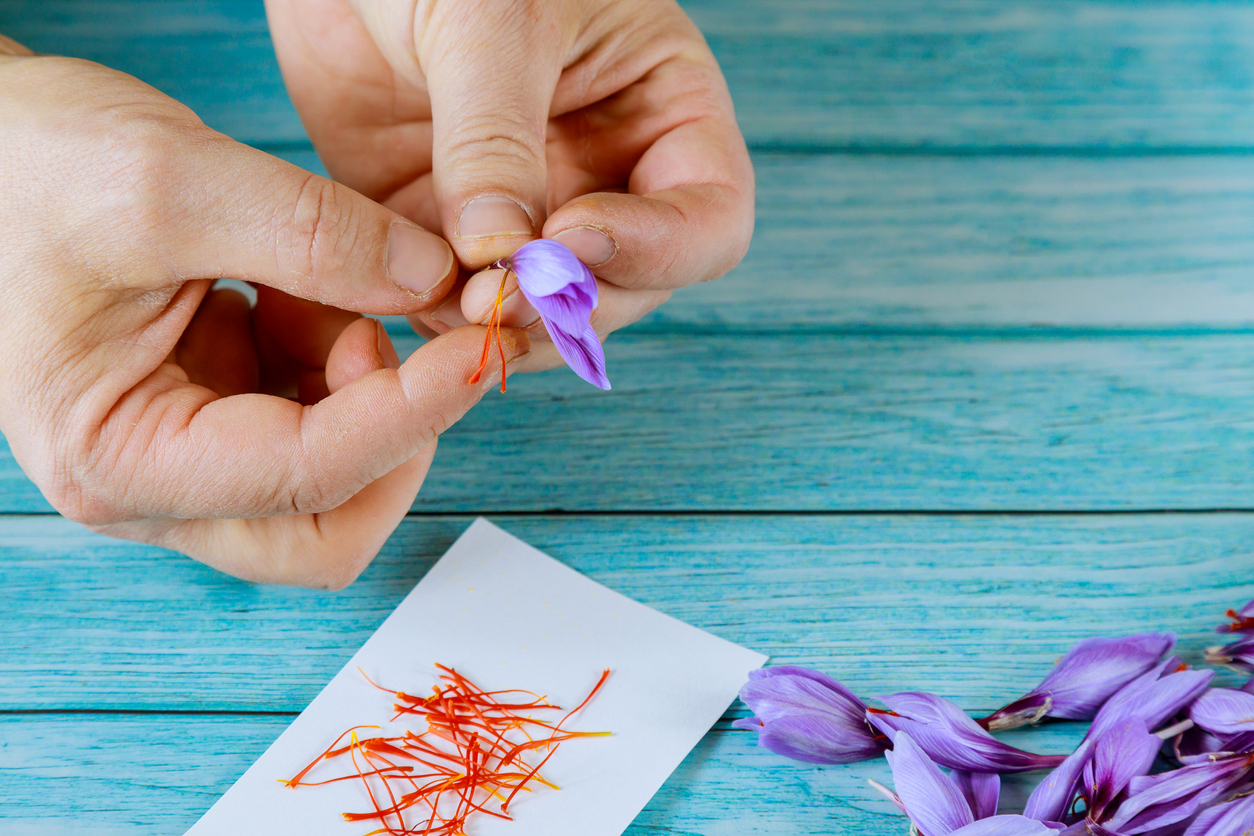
(819, 422)
(976, 608)
(113, 775)
(961, 74)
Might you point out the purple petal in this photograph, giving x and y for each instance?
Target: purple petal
(1239, 654)
(1124, 752)
(1242, 620)
(933, 802)
(981, 790)
(546, 267)
(583, 354)
(1222, 711)
(963, 751)
(1051, 800)
(807, 673)
(1151, 700)
(1235, 818)
(1006, 826)
(816, 739)
(784, 695)
(953, 739)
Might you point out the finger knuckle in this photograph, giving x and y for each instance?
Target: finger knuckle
(498, 140)
(322, 230)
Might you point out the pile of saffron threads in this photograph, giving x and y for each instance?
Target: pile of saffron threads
(470, 759)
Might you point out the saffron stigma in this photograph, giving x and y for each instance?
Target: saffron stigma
(470, 758)
(494, 326)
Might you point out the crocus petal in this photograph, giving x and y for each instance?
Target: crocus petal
(1025, 711)
(953, 739)
(1234, 818)
(1239, 654)
(583, 354)
(546, 267)
(1223, 712)
(816, 740)
(1051, 800)
(1089, 674)
(781, 696)
(981, 790)
(1151, 700)
(933, 802)
(1159, 800)
(1006, 826)
(1124, 752)
(1242, 620)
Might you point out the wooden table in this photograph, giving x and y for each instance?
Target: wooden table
(984, 386)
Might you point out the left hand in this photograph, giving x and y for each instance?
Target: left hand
(605, 124)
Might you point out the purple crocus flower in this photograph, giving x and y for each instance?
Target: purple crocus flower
(961, 804)
(564, 291)
(1084, 679)
(950, 737)
(1239, 654)
(808, 716)
(1242, 620)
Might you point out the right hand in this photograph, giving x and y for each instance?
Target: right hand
(129, 389)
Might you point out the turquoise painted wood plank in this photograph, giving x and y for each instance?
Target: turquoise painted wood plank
(156, 775)
(976, 243)
(965, 74)
(976, 608)
(830, 422)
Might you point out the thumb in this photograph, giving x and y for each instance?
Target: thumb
(240, 213)
(490, 108)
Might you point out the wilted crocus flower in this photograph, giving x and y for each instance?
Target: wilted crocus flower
(951, 738)
(1233, 818)
(808, 716)
(1084, 679)
(564, 291)
(1239, 654)
(950, 805)
(1242, 620)
(1125, 752)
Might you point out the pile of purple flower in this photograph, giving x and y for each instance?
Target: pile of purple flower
(1141, 705)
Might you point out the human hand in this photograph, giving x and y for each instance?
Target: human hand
(130, 388)
(604, 124)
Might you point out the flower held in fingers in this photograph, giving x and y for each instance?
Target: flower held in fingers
(564, 291)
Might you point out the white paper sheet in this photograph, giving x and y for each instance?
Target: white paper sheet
(508, 616)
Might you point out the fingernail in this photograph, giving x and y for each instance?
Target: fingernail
(517, 311)
(388, 357)
(589, 244)
(491, 217)
(450, 314)
(417, 260)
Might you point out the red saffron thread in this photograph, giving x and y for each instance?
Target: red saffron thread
(494, 327)
(479, 769)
